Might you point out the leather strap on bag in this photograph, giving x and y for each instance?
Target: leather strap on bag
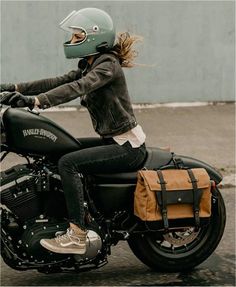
(196, 198)
(164, 201)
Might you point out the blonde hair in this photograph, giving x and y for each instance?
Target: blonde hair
(124, 50)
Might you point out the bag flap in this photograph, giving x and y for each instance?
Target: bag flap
(176, 179)
(180, 197)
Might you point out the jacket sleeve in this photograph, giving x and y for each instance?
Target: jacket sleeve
(99, 76)
(44, 85)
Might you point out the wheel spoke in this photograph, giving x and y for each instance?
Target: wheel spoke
(179, 241)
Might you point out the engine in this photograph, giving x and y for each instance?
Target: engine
(36, 209)
(19, 192)
(31, 191)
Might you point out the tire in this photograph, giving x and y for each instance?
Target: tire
(161, 255)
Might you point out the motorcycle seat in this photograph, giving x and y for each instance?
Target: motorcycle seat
(155, 158)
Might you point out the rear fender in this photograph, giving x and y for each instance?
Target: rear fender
(195, 163)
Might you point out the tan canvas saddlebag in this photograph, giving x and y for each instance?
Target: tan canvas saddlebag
(174, 197)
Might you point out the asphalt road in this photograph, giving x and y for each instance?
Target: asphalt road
(206, 133)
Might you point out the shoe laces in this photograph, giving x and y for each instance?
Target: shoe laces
(68, 235)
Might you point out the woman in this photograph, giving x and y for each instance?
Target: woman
(101, 85)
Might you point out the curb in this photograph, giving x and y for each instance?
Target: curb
(228, 181)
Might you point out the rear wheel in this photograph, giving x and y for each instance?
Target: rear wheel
(182, 249)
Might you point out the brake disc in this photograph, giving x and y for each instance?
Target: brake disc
(179, 238)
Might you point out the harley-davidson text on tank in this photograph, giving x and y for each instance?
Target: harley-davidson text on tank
(39, 132)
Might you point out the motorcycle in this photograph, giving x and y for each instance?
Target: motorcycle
(33, 205)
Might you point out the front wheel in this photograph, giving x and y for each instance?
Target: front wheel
(180, 250)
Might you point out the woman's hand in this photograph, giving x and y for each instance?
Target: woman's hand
(19, 100)
(16, 99)
(5, 98)
(7, 87)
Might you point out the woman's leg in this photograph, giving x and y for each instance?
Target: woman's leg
(71, 181)
(74, 241)
(100, 159)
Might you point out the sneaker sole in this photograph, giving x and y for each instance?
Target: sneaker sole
(62, 250)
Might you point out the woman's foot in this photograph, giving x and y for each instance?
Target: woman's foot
(71, 242)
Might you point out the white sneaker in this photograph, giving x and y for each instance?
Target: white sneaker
(69, 243)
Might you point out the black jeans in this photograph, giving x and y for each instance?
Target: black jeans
(97, 155)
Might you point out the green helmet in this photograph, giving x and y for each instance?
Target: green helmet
(98, 28)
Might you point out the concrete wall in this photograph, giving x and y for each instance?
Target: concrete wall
(188, 46)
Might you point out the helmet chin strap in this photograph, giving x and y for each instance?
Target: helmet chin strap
(83, 64)
(103, 47)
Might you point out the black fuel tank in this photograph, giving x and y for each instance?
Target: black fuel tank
(28, 132)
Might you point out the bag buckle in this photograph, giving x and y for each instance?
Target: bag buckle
(178, 163)
(165, 219)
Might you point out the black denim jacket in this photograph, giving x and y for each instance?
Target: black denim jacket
(103, 91)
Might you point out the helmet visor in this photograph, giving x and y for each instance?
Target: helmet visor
(62, 23)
